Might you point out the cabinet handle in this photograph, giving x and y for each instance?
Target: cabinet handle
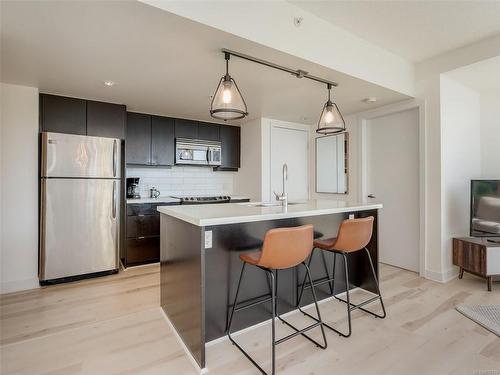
(141, 238)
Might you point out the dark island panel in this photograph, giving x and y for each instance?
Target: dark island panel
(181, 282)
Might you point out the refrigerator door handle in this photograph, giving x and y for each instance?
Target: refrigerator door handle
(114, 200)
(114, 158)
(42, 253)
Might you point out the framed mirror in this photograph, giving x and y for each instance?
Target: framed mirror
(332, 164)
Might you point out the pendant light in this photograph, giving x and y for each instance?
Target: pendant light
(227, 102)
(331, 120)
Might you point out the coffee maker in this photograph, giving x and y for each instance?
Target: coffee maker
(133, 188)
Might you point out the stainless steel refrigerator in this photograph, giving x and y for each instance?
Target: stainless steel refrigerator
(79, 207)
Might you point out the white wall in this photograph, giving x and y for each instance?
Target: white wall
(248, 180)
(427, 86)
(270, 23)
(183, 181)
(490, 134)
(18, 188)
(460, 160)
(254, 177)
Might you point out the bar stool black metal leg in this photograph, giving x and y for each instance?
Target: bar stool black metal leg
(346, 267)
(276, 294)
(228, 328)
(333, 272)
(348, 305)
(370, 300)
(325, 266)
(273, 329)
(376, 285)
(308, 271)
(231, 321)
(274, 307)
(299, 297)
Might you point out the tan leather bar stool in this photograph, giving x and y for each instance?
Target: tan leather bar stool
(283, 248)
(353, 236)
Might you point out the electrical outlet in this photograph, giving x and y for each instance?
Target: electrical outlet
(208, 239)
(351, 216)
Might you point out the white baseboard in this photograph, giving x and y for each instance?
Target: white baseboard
(195, 364)
(442, 277)
(451, 274)
(18, 285)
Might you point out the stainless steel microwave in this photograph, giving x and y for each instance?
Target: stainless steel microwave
(197, 152)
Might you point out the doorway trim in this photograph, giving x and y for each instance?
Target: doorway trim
(362, 121)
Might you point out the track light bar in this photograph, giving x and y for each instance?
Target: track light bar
(299, 73)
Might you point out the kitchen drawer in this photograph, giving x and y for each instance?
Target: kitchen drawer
(143, 250)
(141, 209)
(143, 225)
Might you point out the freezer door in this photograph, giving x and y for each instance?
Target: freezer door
(68, 155)
(79, 227)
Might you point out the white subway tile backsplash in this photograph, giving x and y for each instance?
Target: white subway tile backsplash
(179, 181)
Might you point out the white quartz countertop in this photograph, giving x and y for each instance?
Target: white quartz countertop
(232, 213)
(154, 200)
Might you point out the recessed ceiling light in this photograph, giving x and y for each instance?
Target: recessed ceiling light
(109, 83)
(370, 99)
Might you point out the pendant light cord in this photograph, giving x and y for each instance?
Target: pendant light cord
(227, 57)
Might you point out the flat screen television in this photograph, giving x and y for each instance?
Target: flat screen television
(485, 208)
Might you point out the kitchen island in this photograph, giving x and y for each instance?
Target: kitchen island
(200, 248)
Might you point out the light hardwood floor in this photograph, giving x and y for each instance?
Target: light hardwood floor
(113, 325)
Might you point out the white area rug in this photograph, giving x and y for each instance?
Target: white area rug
(486, 316)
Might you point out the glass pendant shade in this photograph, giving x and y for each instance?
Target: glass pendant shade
(331, 120)
(227, 102)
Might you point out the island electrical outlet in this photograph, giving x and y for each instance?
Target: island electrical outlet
(208, 239)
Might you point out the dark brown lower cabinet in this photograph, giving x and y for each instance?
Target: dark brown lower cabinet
(143, 226)
(143, 250)
(142, 243)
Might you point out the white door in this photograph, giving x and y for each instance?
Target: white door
(290, 146)
(392, 177)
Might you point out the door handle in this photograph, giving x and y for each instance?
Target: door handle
(371, 196)
(114, 200)
(114, 158)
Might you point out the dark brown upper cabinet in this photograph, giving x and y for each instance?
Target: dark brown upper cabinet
(162, 140)
(106, 119)
(186, 129)
(60, 114)
(230, 143)
(209, 132)
(150, 140)
(138, 139)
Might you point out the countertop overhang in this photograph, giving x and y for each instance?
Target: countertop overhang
(233, 213)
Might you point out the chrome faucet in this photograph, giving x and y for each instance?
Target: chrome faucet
(283, 197)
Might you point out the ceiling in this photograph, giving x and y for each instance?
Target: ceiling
(414, 30)
(161, 63)
(479, 76)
